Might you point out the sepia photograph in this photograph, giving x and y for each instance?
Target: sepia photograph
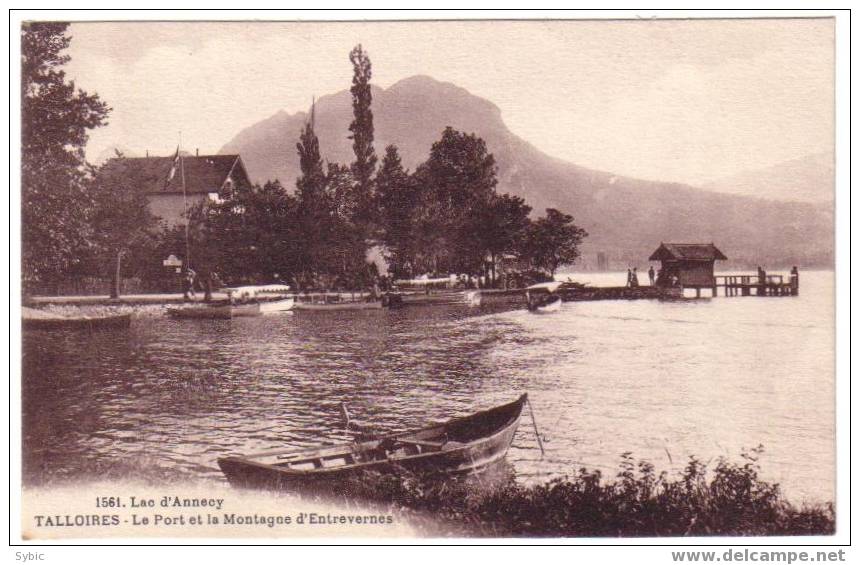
(457, 279)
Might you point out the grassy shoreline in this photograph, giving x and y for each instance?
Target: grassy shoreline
(728, 500)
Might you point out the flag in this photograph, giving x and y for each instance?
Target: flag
(172, 172)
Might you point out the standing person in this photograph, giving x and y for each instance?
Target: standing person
(651, 275)
(188, 285)
(634, 279)
(192, 281)
(629, 277)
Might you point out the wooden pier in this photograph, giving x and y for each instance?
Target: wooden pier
(620, 293)
(578, 293)
(756, 285)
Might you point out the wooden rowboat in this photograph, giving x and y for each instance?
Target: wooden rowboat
(77, 322)
(460, 446)
(225, 311)
(334, 306)
(204, 312)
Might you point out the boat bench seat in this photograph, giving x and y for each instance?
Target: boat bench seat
(424, 443)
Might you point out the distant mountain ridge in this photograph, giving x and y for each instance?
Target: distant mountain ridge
(806, 179)
(626, 218)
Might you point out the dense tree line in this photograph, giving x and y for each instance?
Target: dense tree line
(443, 217)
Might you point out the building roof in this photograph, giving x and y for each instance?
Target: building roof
(687, 252)
(203, 174)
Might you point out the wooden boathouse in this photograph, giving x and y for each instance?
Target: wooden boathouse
(689, 265)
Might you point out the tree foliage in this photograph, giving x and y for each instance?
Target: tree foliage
(456, 184)
(361, 130)
(55, 123)
(121, 223)
(396, 206)
(445, 217)
(503, 227)
(554, 241)
(248, 236)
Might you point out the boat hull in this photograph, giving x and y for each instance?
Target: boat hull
(553, 306)
(251, 310)
(334, 306)
(452, 458)
(218, 312)
(275, 306)
(103, 322)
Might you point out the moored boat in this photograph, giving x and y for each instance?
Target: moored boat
(334, 306)
(33, 319)
(275, 306)
(243, 301)
(541, 298)
(465, 445)
(219, 311)
(554, 305)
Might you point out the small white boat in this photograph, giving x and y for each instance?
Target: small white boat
(250, 292)
(275, 306)
(552, 306)
(541, 298)
(546, 286)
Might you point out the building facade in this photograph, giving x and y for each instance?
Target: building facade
(690, 265)
(174, 186)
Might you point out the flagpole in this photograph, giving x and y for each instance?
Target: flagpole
(185, 206)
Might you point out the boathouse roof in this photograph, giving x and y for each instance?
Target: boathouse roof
(687, 252)
(203, 173)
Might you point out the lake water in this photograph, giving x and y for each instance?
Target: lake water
(663, 380)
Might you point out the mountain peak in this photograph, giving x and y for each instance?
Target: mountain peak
(809, 178)
(626, 217)
(423, 87)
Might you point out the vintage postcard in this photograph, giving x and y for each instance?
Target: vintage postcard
(388, 281)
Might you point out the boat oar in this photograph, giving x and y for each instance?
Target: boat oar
(344, 411)
(534, 424)
(354, 425)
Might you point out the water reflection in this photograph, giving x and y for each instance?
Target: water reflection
(660, 379)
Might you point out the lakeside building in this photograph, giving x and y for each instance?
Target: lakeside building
(195, 179)
(691, 263)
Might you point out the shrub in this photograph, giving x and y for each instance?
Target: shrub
(731, 500)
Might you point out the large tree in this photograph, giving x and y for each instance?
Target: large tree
(396, 204)
(248, 236)
(361, 132)
(503, 227)
(344, 260)
(314, 207)
(56, 118)
(121, 221)
(457, 182)
(554, 241)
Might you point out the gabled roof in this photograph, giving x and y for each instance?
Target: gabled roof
(687, 252)
(203, 174)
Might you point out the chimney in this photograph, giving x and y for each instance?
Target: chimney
(197, 152)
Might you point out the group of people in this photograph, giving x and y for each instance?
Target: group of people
(633, 277)
(190, 281)
(655, 278)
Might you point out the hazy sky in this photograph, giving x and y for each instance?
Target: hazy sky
(686, 101)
